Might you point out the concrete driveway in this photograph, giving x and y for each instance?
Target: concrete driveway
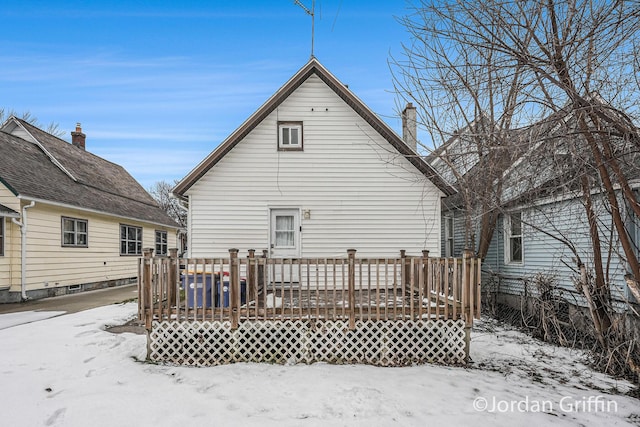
(76, 302)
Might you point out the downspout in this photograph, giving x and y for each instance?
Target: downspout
(23, 249)
(179, 234)
(186, 231)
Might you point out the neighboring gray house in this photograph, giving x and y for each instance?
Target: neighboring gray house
(541, 221)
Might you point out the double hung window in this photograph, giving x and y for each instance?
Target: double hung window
(513, 238)
(161, 242)
(130, 240)
(75, 232)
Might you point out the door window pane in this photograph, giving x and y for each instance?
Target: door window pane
(285, 234)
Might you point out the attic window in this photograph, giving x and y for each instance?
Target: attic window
(290, 136)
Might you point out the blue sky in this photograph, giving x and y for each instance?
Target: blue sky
(159, 84)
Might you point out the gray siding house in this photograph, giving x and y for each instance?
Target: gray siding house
(541, 224)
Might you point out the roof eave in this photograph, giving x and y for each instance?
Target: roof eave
(98, 212)
(9, 187)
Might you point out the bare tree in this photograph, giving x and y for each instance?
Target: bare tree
(52, 128)
(504, 65)
(161, 191)
(470, 101)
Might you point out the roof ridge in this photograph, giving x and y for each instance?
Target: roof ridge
(67, 143)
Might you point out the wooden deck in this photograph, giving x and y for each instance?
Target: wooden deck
(405, 288)
(436, 298)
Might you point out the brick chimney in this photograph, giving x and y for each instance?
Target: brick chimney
(410, 126)
(78, 138)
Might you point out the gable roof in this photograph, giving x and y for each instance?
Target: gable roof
(535, 160)
(558, 155)
(47, 168)
(5, 211)
(310, 68)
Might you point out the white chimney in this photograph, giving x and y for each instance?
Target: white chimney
(410, 126)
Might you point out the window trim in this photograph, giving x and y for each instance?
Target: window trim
(166, 242)
(75, 232)
(289, 147)
(508, 237)
(128, 241)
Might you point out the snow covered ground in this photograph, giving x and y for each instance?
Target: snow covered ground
(68, 371)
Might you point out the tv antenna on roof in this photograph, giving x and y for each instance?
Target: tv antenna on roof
(311, 13)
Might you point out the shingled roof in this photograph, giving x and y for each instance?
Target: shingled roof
(50, 169)
(310, 68)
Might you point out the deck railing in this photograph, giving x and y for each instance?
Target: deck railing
(238, 289)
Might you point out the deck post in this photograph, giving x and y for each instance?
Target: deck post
(251, 276)
(352, 288)
(403, 279)
(467, 277)
(404, 274)
(172, 289)
(425, 268)
(262, 271)
(478, 288)
(234, 288)
(145, 295)
(147, 290)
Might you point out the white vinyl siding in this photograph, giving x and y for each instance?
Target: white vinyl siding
(359, 192)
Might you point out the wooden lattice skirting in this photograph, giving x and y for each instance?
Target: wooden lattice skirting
(383, 343)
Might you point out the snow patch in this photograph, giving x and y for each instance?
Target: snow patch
(68, 370)
(9, 320)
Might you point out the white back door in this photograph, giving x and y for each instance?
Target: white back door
(285, 233)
